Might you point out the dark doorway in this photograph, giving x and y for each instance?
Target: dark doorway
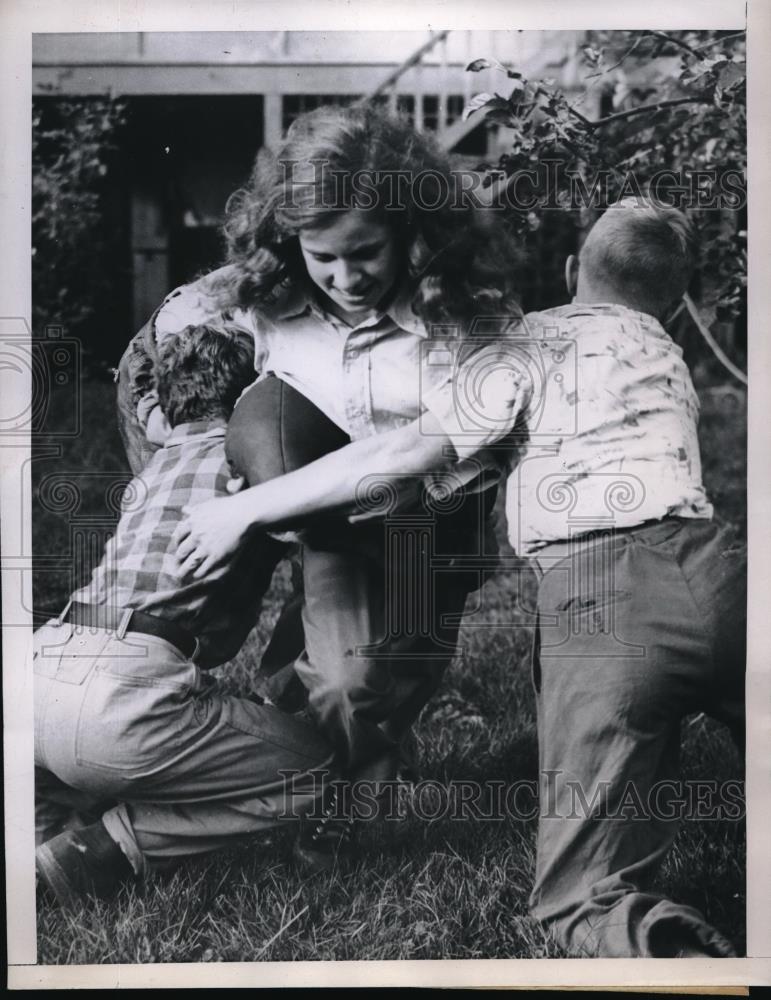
(185, 155)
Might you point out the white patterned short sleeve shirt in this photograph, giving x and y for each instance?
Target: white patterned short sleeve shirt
(612, 429)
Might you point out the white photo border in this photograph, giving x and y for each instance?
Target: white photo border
(18, 21)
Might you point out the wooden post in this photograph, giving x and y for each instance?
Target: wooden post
(271, 114)
(150, 252)
(468, 77)
(442, 110)
(418, 98)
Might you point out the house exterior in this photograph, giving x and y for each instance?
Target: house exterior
(201, 104)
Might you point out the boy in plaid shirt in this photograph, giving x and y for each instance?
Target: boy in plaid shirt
(123, 708)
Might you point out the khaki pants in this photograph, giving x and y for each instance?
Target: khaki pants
(132, 720)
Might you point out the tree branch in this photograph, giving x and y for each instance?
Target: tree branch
(675, 41)
(580, 117)
(620, 115)
(615, 65)
(717, 41)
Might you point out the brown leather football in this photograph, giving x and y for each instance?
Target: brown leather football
(274, 429)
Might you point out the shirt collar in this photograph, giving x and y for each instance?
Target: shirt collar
(210, 428)
(605, 308)
(400, 311)
(293, 300)
(296, 299)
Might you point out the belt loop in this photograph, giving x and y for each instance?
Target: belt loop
(124, 622)
(63, 616)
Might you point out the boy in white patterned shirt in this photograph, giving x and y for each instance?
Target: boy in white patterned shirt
(641, 600)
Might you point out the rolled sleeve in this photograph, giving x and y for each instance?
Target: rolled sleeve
(479, 400)
(145, 405)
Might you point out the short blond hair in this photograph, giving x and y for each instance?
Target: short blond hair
(644, 251)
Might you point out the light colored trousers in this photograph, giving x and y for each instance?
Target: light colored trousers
(132, 721)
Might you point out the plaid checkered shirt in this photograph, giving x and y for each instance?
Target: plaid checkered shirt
(139, 569)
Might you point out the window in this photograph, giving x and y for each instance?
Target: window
(455, 105)
(405, 105)
(293, 105)
(430, 112)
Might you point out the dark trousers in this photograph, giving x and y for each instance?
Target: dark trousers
(381, 612)
(634, 633)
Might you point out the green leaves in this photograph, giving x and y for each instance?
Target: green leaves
(479, 64)
(483, 101)
(679, 105)
(72, 152)
(497, 108)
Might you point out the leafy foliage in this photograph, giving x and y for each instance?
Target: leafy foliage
(650, 102)
(73, 241)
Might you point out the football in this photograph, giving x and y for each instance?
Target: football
(274, 429)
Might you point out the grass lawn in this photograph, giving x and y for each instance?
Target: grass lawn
(422, 890)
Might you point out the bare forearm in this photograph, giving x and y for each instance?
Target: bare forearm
(333, 481)
(213, 530)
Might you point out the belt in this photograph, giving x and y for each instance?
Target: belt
(122, 620)
(555, 551)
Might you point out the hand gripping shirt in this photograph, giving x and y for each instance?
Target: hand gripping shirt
(612, 428)
(139, 569)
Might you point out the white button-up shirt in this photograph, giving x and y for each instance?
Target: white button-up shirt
(376, 376)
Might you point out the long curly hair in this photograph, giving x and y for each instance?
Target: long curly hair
(458, 262)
